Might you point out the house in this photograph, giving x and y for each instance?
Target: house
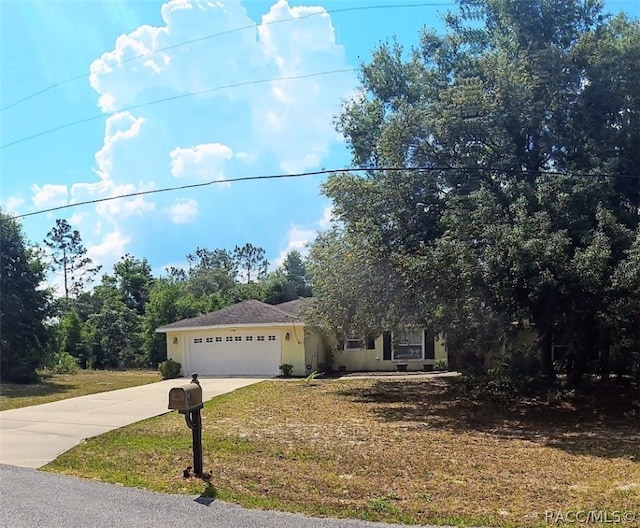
(252, 338)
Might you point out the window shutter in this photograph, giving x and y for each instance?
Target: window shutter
(429, 345)
(371, 343)
(386, 346)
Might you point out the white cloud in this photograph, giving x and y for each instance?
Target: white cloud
(12, 204)
(183, 211)
(297, 239)
(109, 250)
(200, 65)
(118, 127)
(202, 162)
(294, 118)
(121, 208)
(291, 120)
(49, 195)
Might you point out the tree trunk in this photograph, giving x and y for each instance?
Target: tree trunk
(544, 353)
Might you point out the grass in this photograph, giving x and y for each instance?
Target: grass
(55, 387)
(384, 450)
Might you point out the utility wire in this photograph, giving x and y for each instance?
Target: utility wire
(227, 32)
(311, 173)
(173, 98)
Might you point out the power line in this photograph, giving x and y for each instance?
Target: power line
(227, 32)
(173, 98)
(313, 173)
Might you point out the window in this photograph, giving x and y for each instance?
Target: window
(228, 338)
(209, 340)
(272, 338)
(409, 345)
(353, 343)
(197, 340)
(218, 339)
(260, 338)
(248, 338)
(237, 338)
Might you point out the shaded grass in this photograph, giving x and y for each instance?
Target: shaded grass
(55, 387)
(383, 450)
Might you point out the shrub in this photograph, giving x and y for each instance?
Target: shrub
(286, 369)
(61, 363)
(440, 364)
(169, 369)
(517, 375)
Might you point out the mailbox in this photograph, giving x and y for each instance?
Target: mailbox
(185, 398)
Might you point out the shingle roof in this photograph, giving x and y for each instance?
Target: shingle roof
(293, 307)
(245, 312)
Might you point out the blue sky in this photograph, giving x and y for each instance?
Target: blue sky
(249, 130)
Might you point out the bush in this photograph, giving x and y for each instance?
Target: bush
(440, 364)
(61, 363)
(517, 375)
(286, 369)
(170, 369)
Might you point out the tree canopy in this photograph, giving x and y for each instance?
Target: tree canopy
(514, 197)
(24, 305)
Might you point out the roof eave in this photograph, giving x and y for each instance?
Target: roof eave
(164, 330)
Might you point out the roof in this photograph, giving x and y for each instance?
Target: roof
(242, 313)
(294, 307)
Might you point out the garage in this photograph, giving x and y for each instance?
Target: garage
(250, 338)
(238, 354)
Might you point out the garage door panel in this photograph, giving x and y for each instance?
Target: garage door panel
(242, 358)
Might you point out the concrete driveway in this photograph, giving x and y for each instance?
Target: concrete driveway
(34, 436)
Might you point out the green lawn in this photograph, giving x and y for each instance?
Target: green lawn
(54, 387)
(397, 451)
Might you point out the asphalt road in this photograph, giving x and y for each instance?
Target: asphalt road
(34, 499)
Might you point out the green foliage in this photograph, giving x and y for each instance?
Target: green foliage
(286, 369)
(517, 374)
(514, 117)
(61, 363)
(440, 364)
(69, 256)
(169, 369)
(24, 306)
(251, 262)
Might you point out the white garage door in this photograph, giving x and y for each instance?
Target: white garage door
(235, 355)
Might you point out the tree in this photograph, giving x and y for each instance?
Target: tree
(211, 272)
(134, 280)
(68, 254)
(519, 200)
(296, 274)
(24, 305)
(170, 301)
(289, 282)
(250, 262)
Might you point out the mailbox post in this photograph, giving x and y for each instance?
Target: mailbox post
(187, 400)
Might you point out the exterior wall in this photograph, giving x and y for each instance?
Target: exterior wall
(522, 337)
(359, 360)
(315, 351)
(293, 348)
(176, 343)
(305, 348)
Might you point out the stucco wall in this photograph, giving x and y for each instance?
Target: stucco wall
(372, 360)
(315, 352)
(293, 348)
